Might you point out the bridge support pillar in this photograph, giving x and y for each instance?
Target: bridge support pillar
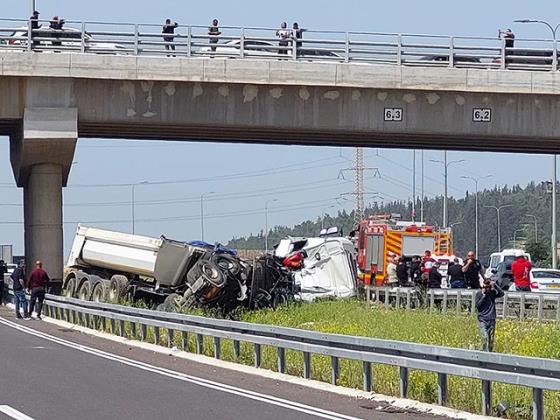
(41, 156)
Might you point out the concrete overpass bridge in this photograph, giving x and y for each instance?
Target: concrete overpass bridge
(47, 101)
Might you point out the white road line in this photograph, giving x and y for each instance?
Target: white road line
(13, 413)
(245, 393)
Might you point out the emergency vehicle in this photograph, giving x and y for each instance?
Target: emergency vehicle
(382, 237)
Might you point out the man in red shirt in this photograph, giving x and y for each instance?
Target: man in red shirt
(38, 280)
(521, 269)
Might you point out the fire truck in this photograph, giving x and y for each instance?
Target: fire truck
(381, 237)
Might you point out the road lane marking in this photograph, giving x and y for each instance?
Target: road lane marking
(13, 413)
(245, 393)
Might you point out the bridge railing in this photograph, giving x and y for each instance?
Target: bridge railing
(135, 323)
(263, 43)
(514, 305)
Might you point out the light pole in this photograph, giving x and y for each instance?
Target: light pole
(266, 223)
(202, 213)
(536, 226)
(446, 166)
(414, 185)
(323, 215)
(33, 6)
(476, 180)
(498, 211)
(515, 236)
(422, 186)
(133, 209)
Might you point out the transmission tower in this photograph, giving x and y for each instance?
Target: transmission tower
(359, 169)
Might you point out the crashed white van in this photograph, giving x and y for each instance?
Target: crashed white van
(329, 266)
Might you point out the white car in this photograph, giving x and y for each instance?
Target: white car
(256, 48)
(543, 280)
(70, 38)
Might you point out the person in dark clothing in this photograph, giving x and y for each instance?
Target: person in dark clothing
(3, 270)
(473, 271)
(214, 33)
(18, 279)
(402, 272)
(35, 25)
(456, 275)
(57, 25)
(38, 281)
(168, 32)
(297, 33)
(485, 301)
(415, 270)
(434, 277)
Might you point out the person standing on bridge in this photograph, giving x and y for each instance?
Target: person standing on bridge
(38, 281)
(18, 280)
(297, 33)
(284, 36)
(168, 32)
(485, 301)
(35, 25)
(57, 24)
(214, 34)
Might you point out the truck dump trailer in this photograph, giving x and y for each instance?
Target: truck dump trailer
(105, 265)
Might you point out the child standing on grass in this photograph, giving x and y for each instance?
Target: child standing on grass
(486, 307)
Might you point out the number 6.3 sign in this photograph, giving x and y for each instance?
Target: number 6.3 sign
(482, 115)
(393, 114)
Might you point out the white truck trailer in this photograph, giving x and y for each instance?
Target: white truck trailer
(105, 265)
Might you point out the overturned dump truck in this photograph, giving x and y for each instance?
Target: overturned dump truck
(106, 266)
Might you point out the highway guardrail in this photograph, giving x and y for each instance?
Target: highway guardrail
(531, 305)
(535, 373)
(262, 43)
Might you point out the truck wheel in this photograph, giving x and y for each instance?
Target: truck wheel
(171, 303)
(117, 288)
(70, 288)
(85, 291)
(227, 263)
(100, 292)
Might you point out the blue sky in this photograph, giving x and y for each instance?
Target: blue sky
(304, 180)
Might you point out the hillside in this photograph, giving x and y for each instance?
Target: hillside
(533, 199)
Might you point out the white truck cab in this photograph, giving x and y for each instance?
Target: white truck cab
(507, 256)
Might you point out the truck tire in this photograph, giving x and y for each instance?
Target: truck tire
(117, 288)
(70, 287)
(100, 292)
(227, 263)
(84, 293)
(170, 304)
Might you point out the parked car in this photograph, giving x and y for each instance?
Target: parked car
(70, 38)
(545, 280)
(507, 256)
(502, 275)
(445, 58)
(262, 49)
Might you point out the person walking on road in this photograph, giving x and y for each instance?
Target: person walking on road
(3, 271)
(456, 275)
(283, 35)
(214, 34)
(168, 32)
(521, 270)
(38, 281)
(485, 301)
(18, 279)
(473, 271)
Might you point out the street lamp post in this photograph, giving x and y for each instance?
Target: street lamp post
(422, 185)
(498, 211)
(476, 181)
(515, 236)
(446, 166)
(554, 240)
(536, 226)
(266, 223)
(202, 213)
(133, 207)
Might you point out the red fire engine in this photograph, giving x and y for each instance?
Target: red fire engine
(381, 237)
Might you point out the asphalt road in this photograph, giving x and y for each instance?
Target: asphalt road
(47, 372)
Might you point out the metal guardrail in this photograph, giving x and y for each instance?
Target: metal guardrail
(535, 373)
(514, 305)
(263, 43)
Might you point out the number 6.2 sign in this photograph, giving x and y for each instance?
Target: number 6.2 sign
(482, 115)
